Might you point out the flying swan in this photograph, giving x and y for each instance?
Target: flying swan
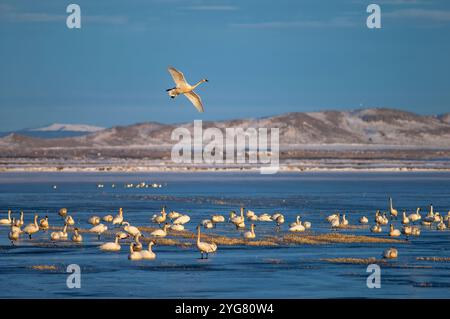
(182, 87)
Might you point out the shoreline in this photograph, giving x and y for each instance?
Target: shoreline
(166, 169)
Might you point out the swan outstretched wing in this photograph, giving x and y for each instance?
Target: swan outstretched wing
(177, 76)
(195, 99)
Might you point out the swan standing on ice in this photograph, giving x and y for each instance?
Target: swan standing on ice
(182, 87)
(99, 229)
(119, 218)
(392, 210)
(205, 248)
(132, 230)
(31, 229)
(159, 219)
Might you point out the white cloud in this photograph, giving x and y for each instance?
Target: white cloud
(425, 14)
(339, 22)
(9, 13)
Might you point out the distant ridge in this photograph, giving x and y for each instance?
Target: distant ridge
(68, 127)
(374, 126)
(56, 130)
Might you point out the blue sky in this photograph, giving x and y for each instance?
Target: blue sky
(261, 57)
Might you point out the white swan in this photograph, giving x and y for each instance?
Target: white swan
(217, 218)
(344, 221)
(441, 226)
(31, 229)
(392, 210)
(59, 235)
(250, 234)
(182, 87)
(99, 229)
(376, 228)
(390, 253)
(94, 220)
(172, 215)
(119, 218)
(205, 248)
(297, 228)
(132, 230)
(148, 254)
(108, 218)
(184, 219)
(415, 216)
(405, 219)
(159, 219)
(43, 223)
(394, 232)
(332, 217)
(407, 230)
(20, 222)
(335, 223)
(297, 222)
(279, 220)
(77, 236)
(160, 232)
(62, 212)
(176, 227)
(69, 220)
(112, 246)
(208, 224)
(250, 213)
(6, 221)
(13, 236)
(238, 219)
(122, 235)
(134, 255)
(137, 245)
(265, 218)
(363, 220)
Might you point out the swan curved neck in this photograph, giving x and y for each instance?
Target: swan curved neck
(198, 235)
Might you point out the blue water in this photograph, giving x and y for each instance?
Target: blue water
(235, 271)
